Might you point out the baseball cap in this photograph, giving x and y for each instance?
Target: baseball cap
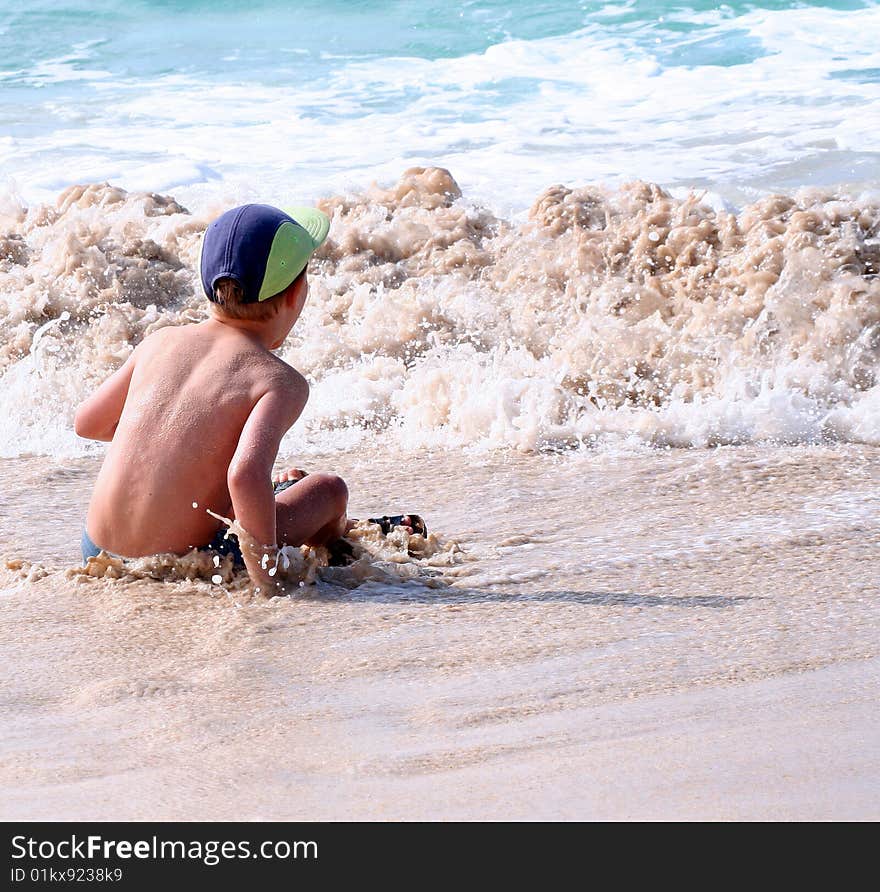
(261, 247)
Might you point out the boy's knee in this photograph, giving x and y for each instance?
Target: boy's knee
(335, 489)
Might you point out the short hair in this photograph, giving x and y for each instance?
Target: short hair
(229, 301)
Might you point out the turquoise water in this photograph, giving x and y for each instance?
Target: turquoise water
(131, 33)
(268, 98)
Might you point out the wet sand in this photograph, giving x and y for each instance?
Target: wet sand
(643, 634)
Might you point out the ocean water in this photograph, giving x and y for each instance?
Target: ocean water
(282, 101)
(601, 300)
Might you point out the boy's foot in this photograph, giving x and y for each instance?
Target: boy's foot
(341, 552)
(293, 474)
(284, 479)
(412, 523)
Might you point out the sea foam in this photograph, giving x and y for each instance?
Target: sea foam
(607, 314)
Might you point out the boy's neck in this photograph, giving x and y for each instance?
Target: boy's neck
(266, 332)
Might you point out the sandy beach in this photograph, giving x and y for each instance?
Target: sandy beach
(683, 635)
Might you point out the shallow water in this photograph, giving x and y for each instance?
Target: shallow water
(657, 609)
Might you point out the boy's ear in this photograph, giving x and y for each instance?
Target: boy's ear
(294, 289)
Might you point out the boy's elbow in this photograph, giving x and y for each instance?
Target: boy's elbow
(81, 425)
(84, 426)
(245, 476)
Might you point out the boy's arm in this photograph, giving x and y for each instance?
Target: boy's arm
(97, 417)
(250, 471)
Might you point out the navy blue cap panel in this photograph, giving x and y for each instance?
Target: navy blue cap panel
(214, 261)
(237, 245)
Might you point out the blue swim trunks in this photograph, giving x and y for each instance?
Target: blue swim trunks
(219, 545)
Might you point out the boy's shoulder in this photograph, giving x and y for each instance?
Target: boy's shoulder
(272, 374)
(280, 389)
(284, 373)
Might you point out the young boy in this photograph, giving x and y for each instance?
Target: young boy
(196, 414)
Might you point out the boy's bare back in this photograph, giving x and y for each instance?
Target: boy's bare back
(196, 415)
(188, 393)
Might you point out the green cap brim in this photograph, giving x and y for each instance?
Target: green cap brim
(292, 247)
(316, 223)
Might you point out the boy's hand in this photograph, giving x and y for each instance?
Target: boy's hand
(261, 562)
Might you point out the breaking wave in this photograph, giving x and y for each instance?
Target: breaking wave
(603, 315)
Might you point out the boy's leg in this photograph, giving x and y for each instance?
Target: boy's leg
(313, 511)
